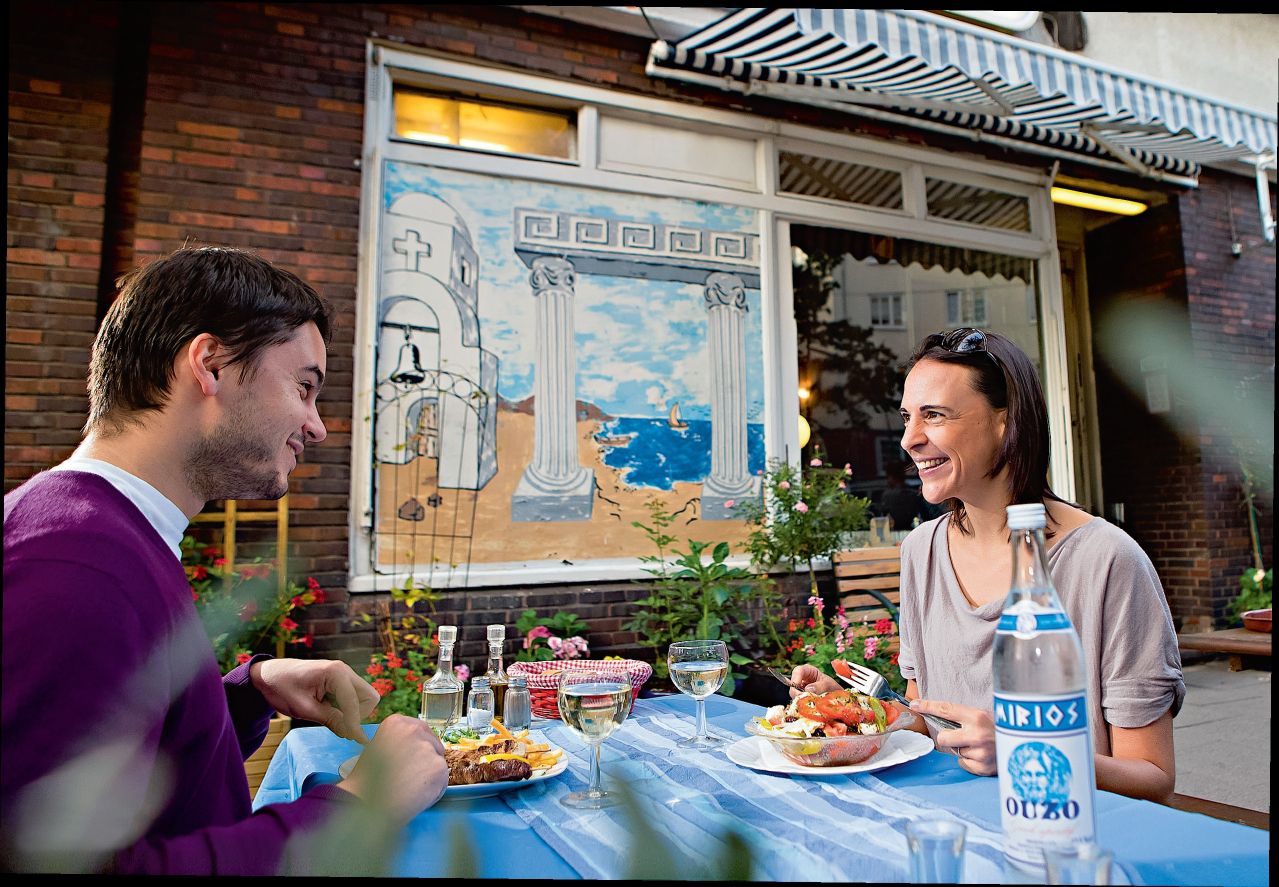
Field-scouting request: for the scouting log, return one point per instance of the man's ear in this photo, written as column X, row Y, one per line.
column 206, row 358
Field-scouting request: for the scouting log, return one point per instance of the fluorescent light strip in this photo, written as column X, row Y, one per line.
column 1097, row 202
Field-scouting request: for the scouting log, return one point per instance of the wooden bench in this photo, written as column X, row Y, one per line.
column 1236, row 643
column 869, row 584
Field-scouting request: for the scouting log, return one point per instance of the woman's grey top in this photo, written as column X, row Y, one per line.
column 1111, row 593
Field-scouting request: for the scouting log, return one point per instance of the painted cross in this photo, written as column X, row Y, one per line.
column 413, row 249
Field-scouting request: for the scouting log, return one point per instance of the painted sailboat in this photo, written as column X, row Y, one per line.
column 675, row 421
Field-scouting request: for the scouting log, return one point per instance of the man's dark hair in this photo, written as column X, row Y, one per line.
column 1009, row 382
column 242, row 299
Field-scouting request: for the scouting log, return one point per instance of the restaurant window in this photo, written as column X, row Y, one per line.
column 975, row 205
column 862, row 303
column 484, row 125
column 806, row 175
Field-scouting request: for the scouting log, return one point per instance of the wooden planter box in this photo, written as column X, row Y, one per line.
column 255, row 766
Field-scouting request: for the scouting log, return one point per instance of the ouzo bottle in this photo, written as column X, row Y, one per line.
column 1042, row 740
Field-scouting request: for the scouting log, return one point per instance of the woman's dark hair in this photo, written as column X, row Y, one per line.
column 242, row 299
column 1005, row 377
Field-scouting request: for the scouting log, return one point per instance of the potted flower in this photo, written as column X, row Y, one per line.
column 558, row 637
column 819, row 641
column 408, row 648
column 804, row 517
column 244, row 609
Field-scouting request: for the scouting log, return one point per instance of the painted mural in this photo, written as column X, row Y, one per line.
column 549, row 359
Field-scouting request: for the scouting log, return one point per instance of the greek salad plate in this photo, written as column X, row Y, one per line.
column 756, row 753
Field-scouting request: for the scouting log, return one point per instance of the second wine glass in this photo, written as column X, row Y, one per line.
column 698, row 669
column 592, row 705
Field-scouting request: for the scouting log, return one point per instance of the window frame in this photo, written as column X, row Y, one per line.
column 388, row 63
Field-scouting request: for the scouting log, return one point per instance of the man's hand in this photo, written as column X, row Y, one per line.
column 812, row 680
column 973, row 743
column 325, row 691
column 402, row 771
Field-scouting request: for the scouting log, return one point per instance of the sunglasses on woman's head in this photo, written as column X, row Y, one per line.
column 965, row 340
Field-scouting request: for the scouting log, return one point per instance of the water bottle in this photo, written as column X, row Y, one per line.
column 1042, row 740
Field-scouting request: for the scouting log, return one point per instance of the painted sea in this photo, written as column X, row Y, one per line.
column 650, row 453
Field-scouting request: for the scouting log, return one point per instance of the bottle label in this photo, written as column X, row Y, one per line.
column 1046, row 783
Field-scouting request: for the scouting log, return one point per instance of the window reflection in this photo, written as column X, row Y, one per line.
column 484, row 126
column 862, row 303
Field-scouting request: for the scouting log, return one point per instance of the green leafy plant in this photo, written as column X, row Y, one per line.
column 804, row 516
column 243, row 609
column 562, row 636
column 695, row 595
column 1254, row 593
column 408, row 644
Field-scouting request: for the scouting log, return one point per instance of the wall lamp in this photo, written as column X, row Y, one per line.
column 1098, row 202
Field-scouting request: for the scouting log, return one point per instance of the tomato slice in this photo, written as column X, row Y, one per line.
column 807, row 707
column 840, row 705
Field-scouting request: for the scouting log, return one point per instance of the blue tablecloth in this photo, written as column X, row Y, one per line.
column 800, row 828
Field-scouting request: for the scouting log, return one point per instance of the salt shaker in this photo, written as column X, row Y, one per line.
column 518, row 706
column 479, row 705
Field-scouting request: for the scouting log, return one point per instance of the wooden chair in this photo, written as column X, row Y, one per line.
column 869, row 583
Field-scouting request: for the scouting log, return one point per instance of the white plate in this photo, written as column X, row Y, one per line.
column 757, row 753
column 486, row 789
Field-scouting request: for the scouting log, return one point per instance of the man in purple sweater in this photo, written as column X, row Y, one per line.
column 123, row 748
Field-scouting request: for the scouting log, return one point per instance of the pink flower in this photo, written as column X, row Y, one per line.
column 729, row 503
column 815, row 602
column 848, row 469
column 462, row 672
column 816, row 463
column 801, row 508
column 872, row 646
column 538, row 631
column 784, row 485
column 841, row 485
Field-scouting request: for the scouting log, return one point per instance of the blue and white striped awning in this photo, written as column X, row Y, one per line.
column 934, row 67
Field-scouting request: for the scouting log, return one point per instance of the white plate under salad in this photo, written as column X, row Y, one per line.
column 488, row 789
column 757, row 753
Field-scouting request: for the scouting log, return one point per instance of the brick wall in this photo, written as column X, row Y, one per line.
column 1231, row 313
column 1176, row 473
column 61, row 73
column 249, row 126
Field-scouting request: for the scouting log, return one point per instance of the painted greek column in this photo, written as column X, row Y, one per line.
column 555, row 486
column 730, row 479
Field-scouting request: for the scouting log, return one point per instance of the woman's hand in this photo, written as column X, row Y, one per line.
column 973, row 743
column 812, row 680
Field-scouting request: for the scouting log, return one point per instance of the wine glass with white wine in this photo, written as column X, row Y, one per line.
column 698, row 669
column 593, row 706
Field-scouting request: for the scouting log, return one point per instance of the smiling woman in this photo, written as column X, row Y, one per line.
column 976, row 428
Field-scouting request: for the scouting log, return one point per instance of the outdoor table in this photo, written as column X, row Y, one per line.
column 800, row 828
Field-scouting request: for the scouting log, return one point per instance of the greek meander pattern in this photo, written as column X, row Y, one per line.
column 568, row 234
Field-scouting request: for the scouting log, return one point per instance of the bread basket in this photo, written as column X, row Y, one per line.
column 544, row 678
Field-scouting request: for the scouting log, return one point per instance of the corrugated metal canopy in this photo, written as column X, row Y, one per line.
column 933, row 67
